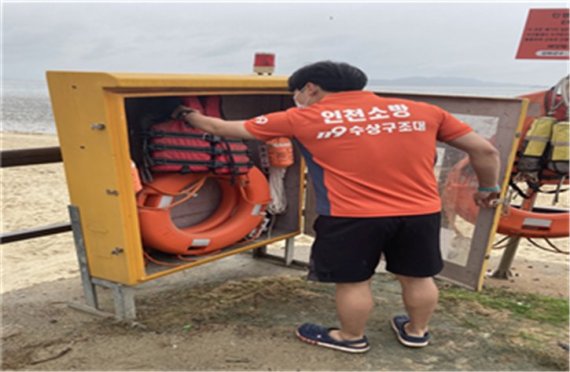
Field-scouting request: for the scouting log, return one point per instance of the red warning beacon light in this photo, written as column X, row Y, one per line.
column 264, row 63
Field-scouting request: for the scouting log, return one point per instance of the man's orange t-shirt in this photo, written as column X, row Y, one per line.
column 368, row 156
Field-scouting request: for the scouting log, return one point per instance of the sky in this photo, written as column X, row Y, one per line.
column 476, row 40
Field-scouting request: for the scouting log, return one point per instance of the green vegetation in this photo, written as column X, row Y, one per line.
column 530, row 306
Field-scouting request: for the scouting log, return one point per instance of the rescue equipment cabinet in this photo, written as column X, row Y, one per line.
column 101, row 119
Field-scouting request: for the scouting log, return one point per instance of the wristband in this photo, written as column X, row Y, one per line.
column 490, row 189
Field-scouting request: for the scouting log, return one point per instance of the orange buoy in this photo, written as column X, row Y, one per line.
column 241, row 209
column 157, row 195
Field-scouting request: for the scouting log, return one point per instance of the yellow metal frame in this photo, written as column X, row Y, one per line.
column 504, row 188
column 89, row 110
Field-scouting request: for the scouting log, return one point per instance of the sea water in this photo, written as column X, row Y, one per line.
column 26, row 107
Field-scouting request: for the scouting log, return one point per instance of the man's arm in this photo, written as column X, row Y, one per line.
column 484, row 159
column 215, row 126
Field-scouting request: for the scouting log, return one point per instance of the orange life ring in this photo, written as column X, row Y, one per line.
column 457, row 198
column 241, row 209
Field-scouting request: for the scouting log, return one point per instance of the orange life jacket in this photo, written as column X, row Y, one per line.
column 174, row 146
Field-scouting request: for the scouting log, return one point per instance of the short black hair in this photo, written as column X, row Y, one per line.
column 330, row 76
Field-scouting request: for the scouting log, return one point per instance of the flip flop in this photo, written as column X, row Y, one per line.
column 317, row 335
column 398, row 323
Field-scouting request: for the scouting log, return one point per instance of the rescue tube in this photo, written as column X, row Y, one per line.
column 241, row 210
column 457, row 198
column 537, row 223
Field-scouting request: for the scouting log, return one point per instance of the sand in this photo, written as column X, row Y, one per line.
column 34, row 196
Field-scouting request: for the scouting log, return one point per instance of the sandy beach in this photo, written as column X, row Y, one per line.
column 40, row 276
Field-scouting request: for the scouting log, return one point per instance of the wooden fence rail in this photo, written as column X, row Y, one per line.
column 17, row 158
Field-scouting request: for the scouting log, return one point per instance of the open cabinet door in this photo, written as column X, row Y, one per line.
column 465, row 242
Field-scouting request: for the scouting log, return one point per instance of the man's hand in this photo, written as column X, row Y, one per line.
column 486, row 199
column 213, row 125
column 181, row 111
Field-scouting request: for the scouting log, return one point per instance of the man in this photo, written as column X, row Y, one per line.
column 371, row 161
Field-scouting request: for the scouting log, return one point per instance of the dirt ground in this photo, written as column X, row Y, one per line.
column 239, row 313
column 199, row 322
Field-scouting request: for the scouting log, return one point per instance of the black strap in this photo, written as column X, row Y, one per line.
column 232, row 164
column 161, row 134
column 518, row 189
column 214, row 146
column 210, row 163
column 206, row 149
column 533, row 186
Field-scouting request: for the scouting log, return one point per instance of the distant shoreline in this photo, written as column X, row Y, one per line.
column 11, row 132
column 29, row 110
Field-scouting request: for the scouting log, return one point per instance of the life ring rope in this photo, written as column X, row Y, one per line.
column 187, row 194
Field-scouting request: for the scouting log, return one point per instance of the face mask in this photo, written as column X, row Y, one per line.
column 299, row 104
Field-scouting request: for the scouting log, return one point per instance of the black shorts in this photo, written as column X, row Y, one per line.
column 348, row 250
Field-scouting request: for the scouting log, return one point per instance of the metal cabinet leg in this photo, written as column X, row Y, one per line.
column 286, row 260
column 289, row 251
column 260, row 252
column 124, row 302
column 123, row 296
column 504, row 269
column 88, row 287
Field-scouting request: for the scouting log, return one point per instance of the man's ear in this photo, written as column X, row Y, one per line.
column 312, row 89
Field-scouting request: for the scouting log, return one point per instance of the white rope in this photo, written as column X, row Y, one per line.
column 278, row 202
column 560, row 88
column 565, row 89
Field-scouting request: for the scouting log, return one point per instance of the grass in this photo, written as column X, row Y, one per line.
column 530, row 306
